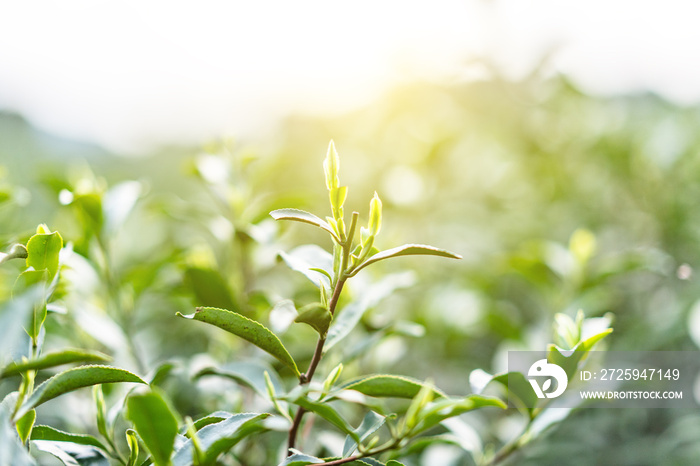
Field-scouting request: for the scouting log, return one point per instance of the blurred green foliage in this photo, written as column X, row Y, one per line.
column 558, row 201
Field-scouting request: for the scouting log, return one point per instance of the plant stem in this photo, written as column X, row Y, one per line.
column 318, row 352
column 510, row 448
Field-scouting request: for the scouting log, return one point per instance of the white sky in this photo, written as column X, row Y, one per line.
column 133, row 74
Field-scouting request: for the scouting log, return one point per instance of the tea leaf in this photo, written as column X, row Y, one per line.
column 407, row 250
column 74, row 379
column 393, row 386
column 297, row 215
column 53, row 359
column 248, row 329
column 155, row 423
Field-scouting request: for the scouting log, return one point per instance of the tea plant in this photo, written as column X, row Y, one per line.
column 382, row 418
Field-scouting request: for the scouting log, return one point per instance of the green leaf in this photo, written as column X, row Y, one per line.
column 329, row 414
column 306, row 259
column 297, row 215
column 332, row 378
column 375, row 215
column 74, row 379
column 250, row 373
column 53, row 359
column 49, row 433
column 209, row 287
column 72, row 454
column 218, row 438
column 317, row 316
column 133, row 443
column 407, row 250
column 438, row 411
column 248, row 329
column 155, row 423
column 24, row 425
column 571, row 361
column 519, row 390
column 388, row 386
column 300, row 459
column 338, row 196
column 14, row 316
column 348, row 317
column 371, row 423
column 393, row 463
column 12, row 452
column 18, row 251
column 212, row 418
column 331, row 167
column 42, row 252
column 101, row 411
column 34, row 279
column 272, row 394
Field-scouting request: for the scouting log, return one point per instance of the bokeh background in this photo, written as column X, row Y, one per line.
column 553, row 144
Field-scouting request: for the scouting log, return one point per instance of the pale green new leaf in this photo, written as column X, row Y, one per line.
column 297, row 215
column 42, row 252
column 248, row 329
column 407, row 250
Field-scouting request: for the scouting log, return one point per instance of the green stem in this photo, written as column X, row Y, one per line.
column 340, row 280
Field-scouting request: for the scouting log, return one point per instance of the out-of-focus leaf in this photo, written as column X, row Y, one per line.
column 348, row 317
column 304, row 217
column 218, row 438
column 248, row 329
column 209, row 287
column 161, row 373
column 155, row 423
column 133, row 442
column 72, row 454
column 118, row 202
column 317, row 316
column 569, row 360
column 250, row 373
column 53, row 359
column 519, row 390
column 328, row 413
column 18, row 251
column 300, row 459
column 391, row 386
column 438, row 411
column 49, row 433
column 213, row 418
column 73, row 379
column 407, row 250
column 12, row 453
column 371, row 423
column 42, row 252
column 14, row 316
column 305, row 259
column 34, row 279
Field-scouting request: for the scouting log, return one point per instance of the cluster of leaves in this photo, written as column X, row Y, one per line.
column 394, row 413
